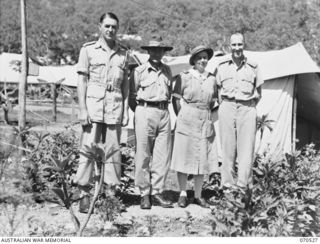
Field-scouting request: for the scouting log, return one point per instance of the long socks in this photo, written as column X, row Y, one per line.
column 198, row 182
column 182, row 180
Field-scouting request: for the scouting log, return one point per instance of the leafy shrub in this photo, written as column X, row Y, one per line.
column 284, row 200
column 46, row 149
column 65, row 144
column 14, row 196
column 49, row 166
column 108, row 207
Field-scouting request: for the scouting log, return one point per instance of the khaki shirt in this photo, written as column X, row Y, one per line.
column 151, row 85
column 196, row 88
column 238, row 82
column 104, row 68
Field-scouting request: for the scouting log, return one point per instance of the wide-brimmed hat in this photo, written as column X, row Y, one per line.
column 157, row 42
column 199, row 49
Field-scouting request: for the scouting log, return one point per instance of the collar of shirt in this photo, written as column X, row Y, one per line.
column 150, row 67
column 102, row 44
column 242, row 63
column 197, row 74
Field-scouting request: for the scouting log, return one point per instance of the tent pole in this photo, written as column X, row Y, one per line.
column 294, row 114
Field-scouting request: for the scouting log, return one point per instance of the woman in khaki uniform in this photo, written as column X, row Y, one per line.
column 194, row 135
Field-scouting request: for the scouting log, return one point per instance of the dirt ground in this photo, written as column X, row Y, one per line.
column 52, row 220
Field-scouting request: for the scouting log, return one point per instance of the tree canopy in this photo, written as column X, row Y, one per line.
column 58, row 28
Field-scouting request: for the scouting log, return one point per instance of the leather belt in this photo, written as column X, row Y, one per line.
column 203, row 106
column 228, row 99
column 159, row 105
column 245, row 102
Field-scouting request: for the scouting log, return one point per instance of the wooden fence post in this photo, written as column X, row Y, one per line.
column 24, row 69
column 54, row 102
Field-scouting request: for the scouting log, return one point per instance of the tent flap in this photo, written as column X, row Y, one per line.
column 276, row 103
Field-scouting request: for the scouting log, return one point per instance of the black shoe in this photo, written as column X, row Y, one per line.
column 157, row 200
column 183, row 202
column 123, row 208
column 84, row 204
column 145, row 202
column 201, row 202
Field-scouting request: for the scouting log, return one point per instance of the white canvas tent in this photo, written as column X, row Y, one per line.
column 9, row 68
column 37, row 74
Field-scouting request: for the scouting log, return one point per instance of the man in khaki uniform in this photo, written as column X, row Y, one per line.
column 150, row 91
column 239, row 88
column 103, row 90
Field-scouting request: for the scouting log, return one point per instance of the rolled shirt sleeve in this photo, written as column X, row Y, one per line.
column 178, row 86
column 125, row 81
column 83, row 62
column 133, row 86
column 259, row 80
column 216, row 74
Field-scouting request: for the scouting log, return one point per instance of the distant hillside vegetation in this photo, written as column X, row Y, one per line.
column 58, row 28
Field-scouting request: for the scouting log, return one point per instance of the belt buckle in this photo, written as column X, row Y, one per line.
column 161, row 105
column 229, row 99
column 142, row 103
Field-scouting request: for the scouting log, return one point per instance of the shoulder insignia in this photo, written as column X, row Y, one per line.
column 123, row 49
column 252, row 63
column 224, row 59
column 89, row 43
column 141, row 68
column 186, row 71
column 122, row 46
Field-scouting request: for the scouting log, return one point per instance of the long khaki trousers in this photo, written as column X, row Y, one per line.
column 99, row 132
column 153, row 149
column 237, row 122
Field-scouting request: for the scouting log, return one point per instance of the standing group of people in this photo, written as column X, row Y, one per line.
column 105, row 93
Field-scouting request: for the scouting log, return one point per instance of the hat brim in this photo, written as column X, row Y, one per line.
column 166, row 48
column 208, row 50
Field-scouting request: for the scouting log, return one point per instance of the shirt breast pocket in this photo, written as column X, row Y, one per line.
column 97, row 71
column 227, row 84
column 147, row 82
column 116, row 76
column 247, row 83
